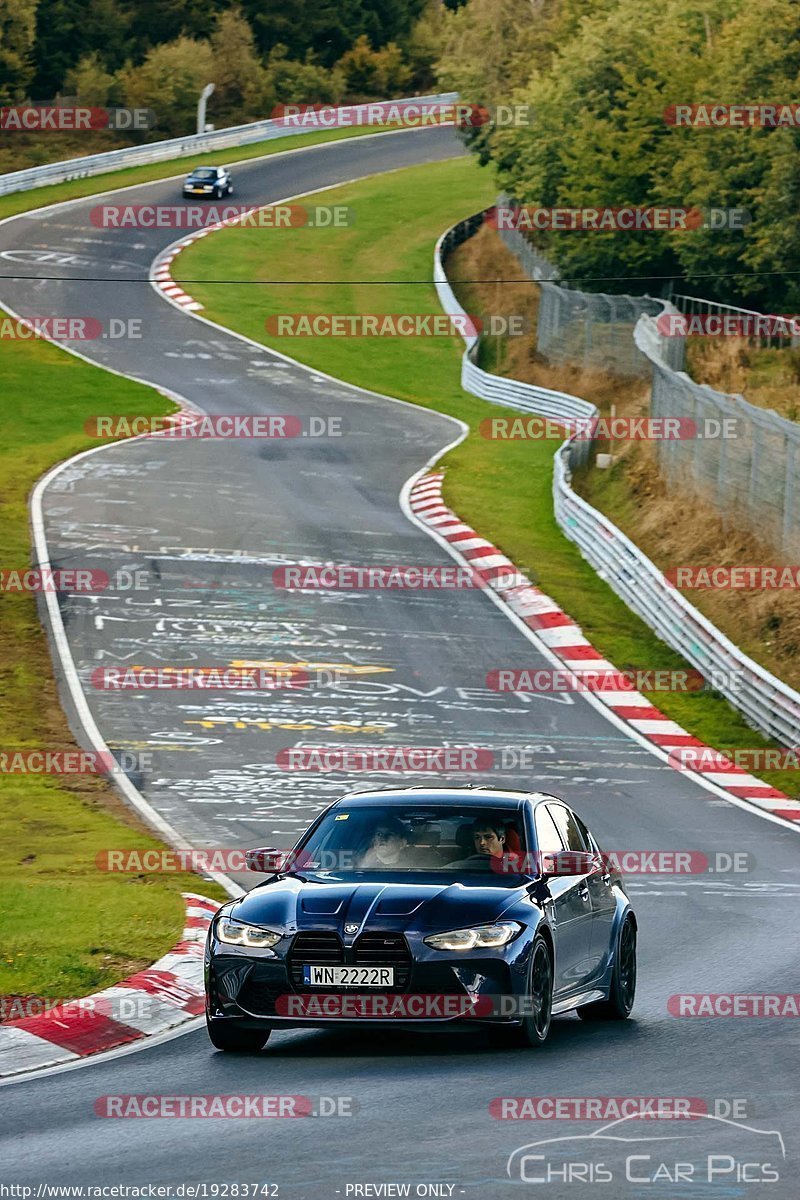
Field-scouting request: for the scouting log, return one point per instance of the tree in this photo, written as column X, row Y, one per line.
column 328, row 28
column 599, row 137
column 306, row 82
column 423, row 45
column 325, row 28
column 240, row 78
column 371, row 73
column 491, row 47
column 17, row 29
column 68, row 30
column 169, row 81
column 90, row 81
column 154, row 22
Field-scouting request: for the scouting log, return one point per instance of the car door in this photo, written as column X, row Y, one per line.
column 604, row 902
column 571, row 909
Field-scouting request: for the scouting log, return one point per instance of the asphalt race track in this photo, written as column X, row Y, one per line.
column 206, row 523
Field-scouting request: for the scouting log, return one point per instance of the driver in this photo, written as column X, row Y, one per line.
column 389, row 846
column 489, row 839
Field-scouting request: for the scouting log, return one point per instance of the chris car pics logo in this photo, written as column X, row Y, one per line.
column 713, row 1150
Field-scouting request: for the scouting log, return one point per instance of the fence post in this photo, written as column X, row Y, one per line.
column 788, row 540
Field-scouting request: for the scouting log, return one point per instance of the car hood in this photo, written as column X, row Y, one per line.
column 316, row 902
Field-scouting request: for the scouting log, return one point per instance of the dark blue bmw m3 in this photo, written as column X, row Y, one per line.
column 426, row 908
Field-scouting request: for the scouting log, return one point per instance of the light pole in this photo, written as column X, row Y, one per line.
column 201, row 107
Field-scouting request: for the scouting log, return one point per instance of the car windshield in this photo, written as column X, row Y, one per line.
column 414, row 838
column 204, row 173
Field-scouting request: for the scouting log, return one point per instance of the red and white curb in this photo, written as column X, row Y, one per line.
column 565, row 640
column 161, row 268
column 166, row 995
column 161, row 275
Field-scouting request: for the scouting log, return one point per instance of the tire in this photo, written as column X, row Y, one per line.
column 226, row 1035
column 217, row 193
column 533, row 1030
column 230, row 189
column 622, row 992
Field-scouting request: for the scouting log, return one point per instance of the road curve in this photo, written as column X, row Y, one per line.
column 208, row 522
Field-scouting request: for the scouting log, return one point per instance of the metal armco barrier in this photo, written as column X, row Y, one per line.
column 197, row 143
column 510, row 393
column 765, row 701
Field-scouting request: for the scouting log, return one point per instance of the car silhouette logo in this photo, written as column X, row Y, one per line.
column 351, row 929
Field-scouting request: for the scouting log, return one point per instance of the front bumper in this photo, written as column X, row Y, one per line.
column 259, row 989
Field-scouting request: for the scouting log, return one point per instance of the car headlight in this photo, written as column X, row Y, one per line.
column 481, row 937
column 237, row 933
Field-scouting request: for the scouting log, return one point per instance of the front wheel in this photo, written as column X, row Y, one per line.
column 622, row 992
column 227, row 1035
column 535, row 1024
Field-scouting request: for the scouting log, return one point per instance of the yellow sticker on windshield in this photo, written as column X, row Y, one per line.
column 342, row 817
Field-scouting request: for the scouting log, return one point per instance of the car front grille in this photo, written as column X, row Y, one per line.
column 385, row 950
column 376, row 949
column 321, row 948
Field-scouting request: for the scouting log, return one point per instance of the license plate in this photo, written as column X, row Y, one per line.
column 199, row 191
column 348, row 976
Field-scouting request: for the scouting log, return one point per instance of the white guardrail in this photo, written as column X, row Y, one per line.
column 201, row 143
column 765, row 701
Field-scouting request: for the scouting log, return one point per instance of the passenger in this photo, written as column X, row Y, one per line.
column 389, row 846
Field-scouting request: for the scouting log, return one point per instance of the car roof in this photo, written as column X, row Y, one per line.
column 472, row 796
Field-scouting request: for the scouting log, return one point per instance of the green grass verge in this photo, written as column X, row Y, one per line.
column 502, row 488
column 73, row 189
column 66, row 928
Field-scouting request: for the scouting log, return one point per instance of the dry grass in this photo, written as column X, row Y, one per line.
column 768, row 378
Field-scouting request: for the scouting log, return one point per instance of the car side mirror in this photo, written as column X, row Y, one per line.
column 267, row 860
column 569, row 862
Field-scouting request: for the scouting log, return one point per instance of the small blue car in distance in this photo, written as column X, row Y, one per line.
column 425, row 908
column 213, row 182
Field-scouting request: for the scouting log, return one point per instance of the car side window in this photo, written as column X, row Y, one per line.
column 568, row 828
column 548, row 839
column 589, row 838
